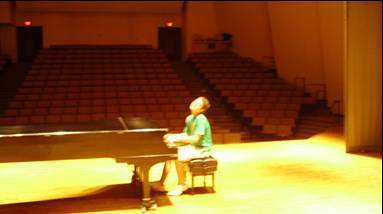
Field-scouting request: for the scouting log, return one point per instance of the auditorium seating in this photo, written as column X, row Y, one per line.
column 270, row 102
column 75, row 83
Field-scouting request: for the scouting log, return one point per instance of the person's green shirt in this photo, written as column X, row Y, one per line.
column 199, row 125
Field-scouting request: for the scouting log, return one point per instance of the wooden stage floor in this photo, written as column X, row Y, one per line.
column 302, row 176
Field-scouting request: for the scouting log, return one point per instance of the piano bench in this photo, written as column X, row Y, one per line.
column 202, row 167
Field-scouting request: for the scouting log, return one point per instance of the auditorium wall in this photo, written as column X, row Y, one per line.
column 7, row 31
column 200, row 22
column 5, row 12
column 308, row 42
column 332, row 27
column 8, row 42
column 248, row 22
column 297, row 42
column 98, row 27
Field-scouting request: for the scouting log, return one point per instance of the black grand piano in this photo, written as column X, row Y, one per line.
column 135, row 141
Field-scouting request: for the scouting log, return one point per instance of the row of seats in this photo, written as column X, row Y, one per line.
column 98, row 49
column 99, row 70
column 93, row 52
column 78, row 84
column 166, row 113
column 125, row 60
column 100, row 82
column 251, row 107
column 40, row 115
column 225, row 65
column 99, row 55
column 102, row 71
column 232, row 70
column 69, row 107
column 271, row 113
column 268, row 101
column 279, row 126
column 171, row 124
column 64, row 54
column 106, row 64
column 212, row 55
column 226, row 75
column 220, row 60
column 249, row 81
column 102, row 88
column 249, row 87
column 94, row 102
column 135, row 95
column 124, row 109
column 280, row 92
column 102, row 54
column 101, row 47
column 42, row 76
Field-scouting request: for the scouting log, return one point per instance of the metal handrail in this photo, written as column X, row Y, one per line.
column 271, row 59
column 303, row 80
column 336, row 103
column 319, row 91
column 305, row 86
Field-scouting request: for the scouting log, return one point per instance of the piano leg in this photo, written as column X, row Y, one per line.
column 142, row 167
column 136, row 182
column 147, row 202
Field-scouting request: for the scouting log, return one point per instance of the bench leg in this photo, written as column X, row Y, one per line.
column 192, row 189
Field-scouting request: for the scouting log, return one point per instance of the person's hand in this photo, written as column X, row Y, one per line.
column 170, row 140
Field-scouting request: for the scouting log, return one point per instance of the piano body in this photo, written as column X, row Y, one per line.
column 132, row 140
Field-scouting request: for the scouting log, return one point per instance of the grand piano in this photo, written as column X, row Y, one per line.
column 135, row 141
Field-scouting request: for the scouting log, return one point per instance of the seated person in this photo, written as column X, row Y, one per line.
column 195, row 141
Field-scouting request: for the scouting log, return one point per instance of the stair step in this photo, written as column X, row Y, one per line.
column 303, row 136
column 225, row 127
column 314, row 119
column 314, row 124
column 309, row 130
column 223, row 138
column 319, row 118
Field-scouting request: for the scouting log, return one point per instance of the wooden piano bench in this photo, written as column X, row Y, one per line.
column 202, row 167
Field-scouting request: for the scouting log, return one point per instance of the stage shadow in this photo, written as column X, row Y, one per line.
column 113, row 197
column 199, row 191
column 377, row 155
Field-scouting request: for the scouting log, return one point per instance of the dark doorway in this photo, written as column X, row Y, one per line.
column 29, row 42
column 169, row 40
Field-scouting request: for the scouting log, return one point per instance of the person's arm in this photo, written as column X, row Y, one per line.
column 181, row 139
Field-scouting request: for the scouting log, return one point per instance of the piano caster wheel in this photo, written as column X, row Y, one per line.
column 148, row 204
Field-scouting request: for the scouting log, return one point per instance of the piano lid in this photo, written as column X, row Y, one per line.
column 97, row 139
column 119, row 124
